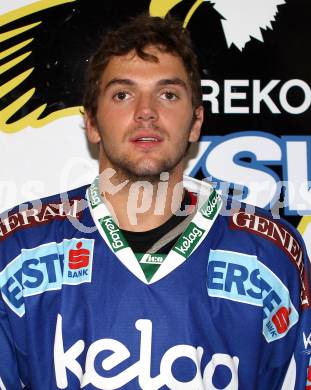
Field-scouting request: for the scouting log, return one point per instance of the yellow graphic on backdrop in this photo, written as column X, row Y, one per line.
column 162, row 7
column 23, row 51
column 304, row 228
column 304, row 224
column 30, row 119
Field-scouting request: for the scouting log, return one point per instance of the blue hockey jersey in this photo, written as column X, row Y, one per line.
column 227, row 308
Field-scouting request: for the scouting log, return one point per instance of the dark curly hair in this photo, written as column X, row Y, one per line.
column 168, row 35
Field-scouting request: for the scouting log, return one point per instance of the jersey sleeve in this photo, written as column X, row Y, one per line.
column 13, row 354
column 284, row 282
column 296, row 344
column 9, row 372
column 302, row 351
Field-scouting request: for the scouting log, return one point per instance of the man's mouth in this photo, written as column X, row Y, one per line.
column 147, row 139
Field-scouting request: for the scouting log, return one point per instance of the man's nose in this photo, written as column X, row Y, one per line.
column 146, row 109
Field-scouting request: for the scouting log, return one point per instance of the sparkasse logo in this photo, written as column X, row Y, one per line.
column 79, row 257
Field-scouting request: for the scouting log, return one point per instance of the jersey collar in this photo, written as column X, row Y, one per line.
column 209, row 205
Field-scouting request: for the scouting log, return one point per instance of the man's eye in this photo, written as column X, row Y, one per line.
column 168, row 95
column 121, row 95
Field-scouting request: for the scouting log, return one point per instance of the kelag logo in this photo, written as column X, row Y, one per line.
column 210, row 207
column 188, row 241
column 46, row 268
column 243, row 278
column 94, row 195
column 89, row 360
column 113, row 233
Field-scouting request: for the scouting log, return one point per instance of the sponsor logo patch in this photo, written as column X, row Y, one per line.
column 210, row 207
column 189, row 240
column 243, row 278
column 79, row 257
column 308, row 384
column 113, row 233
column 45, row 268
column 94, row 195
column 307, row 341
column 281, row 237
column 40, row 215
column 152, row 258
column 89, row 359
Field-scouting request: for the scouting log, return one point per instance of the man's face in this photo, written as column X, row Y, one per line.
column 145, row 117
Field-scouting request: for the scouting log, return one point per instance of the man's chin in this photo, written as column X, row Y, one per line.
column 150, row 172
column 151, row 176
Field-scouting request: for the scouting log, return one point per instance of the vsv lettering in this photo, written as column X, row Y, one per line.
column 68, row 360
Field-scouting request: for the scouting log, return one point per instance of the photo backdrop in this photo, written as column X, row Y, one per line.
column 254, row 60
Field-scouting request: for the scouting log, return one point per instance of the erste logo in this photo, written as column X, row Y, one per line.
column 243, row 278
column 46, row 268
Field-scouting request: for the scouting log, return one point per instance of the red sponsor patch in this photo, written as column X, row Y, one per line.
column 79, row 258
column 280, row 236
column 42, row 214
column 281, row 319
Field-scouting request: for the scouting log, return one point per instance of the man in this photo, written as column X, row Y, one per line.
column 151, row 285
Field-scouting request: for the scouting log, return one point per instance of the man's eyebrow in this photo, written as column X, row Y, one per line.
column 163, row 82
column 173, row 81
column 117, row 81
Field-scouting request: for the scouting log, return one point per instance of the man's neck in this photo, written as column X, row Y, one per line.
column 142, row 205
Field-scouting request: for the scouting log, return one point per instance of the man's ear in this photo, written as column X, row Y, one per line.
column 91, row 128
column 198, row 116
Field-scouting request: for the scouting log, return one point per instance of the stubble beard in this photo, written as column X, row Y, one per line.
column 145, row 170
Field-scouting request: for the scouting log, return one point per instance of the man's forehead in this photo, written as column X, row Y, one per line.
column 166, row 65
column 154, row 50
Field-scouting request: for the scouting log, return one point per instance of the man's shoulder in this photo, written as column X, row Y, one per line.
column 259, row 222
column 41, row 213
column 277, row 245
column 247, row 221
